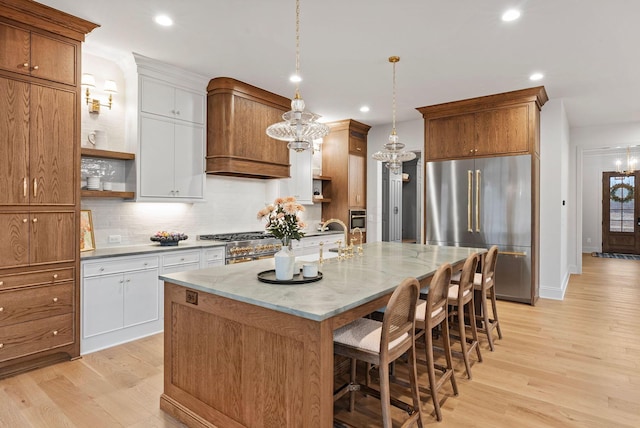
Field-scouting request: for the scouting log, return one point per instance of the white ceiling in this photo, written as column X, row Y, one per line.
column 449, row 50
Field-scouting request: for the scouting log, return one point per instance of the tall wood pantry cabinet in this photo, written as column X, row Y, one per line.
column 344, row 159
column 39, row 184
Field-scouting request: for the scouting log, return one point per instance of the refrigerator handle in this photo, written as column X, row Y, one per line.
column 469, row 184
column 478, row 178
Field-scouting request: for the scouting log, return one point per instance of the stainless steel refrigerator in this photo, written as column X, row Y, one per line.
column 484, row 202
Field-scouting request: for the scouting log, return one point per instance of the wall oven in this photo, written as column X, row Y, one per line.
column 357, row 218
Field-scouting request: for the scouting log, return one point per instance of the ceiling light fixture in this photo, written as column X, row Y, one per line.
column 536, row 76
column 631, row 164
column 393, row 154
column 364, row 109
column 163, row 20
column 298, row 127
column 510, row 15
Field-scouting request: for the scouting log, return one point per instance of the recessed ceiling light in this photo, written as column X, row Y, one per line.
column 364, row 109
column 536, row 76
column 511, row 15
column 295, row 78
column 163, row 20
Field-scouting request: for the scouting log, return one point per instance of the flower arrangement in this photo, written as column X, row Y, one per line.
column 168, row 237
column 282, row 219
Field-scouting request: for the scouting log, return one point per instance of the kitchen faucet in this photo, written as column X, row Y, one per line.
column 340, row 222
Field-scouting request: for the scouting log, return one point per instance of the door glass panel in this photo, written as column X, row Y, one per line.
column 621, row 204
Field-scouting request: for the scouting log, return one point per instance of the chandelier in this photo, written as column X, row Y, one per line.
column 298, row 127
column 393, row 153
column 631, row 164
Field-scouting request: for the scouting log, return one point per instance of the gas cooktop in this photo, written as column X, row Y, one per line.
column 238, row 236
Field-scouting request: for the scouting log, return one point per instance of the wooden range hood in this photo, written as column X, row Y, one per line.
column 238, row 115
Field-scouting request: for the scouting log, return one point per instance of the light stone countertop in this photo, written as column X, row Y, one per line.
column 137, row 250
column 345, row 284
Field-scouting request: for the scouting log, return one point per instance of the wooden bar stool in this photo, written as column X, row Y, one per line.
column 381, row 343
column 429, row 315
column 461, row 296
column 484, row 283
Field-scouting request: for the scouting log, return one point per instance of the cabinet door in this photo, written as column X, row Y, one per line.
column 14, row 45
column 157, row 97
column 14, row 247
column 301, row 181
column 189, row 106
column 503, row 131
column 357, row 177
column 53, row 238
column 52, row 141
column 14, row 141
column 53, row 59
column 156, row 158
column 451, row 137
column 140, row 297
column 189, row 161
column 102, row 304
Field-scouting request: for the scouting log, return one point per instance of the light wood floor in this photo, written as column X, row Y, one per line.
column 571, row 363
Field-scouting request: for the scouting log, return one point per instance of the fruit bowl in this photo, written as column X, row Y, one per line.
column 168, row 239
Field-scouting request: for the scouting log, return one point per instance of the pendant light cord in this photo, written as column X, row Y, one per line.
column 298, row 48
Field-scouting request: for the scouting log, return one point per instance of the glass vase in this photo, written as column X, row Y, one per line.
column 285, row 261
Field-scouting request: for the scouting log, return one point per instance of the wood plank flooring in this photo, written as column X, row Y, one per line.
column 571, row 363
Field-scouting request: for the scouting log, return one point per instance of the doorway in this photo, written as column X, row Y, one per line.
column 402, row 207
column 620, row 213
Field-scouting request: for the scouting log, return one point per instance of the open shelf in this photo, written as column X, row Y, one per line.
column 321, row 177
column 107, row 154
column 319, row 200
column 106, row 194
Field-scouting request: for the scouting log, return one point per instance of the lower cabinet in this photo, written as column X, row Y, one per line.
column 311, row 244
column 213, row 257
column 120, row 301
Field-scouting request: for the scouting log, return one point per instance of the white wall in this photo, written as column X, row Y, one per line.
column 230, row 205
column 554, row 200
column 411, row 133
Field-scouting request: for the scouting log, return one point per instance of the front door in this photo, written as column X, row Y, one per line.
column 620, row 213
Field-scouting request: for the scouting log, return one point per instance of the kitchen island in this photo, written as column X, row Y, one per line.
column 242, row 353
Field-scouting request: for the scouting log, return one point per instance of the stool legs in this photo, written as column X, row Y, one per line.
column 494, row 307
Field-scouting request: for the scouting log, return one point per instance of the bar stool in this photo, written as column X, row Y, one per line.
column 461, row 296
column 381, row 343
column 484, row 283
column 429, row 315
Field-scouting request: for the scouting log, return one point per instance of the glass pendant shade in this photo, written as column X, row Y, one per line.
column 298, row 127
column 393, row 154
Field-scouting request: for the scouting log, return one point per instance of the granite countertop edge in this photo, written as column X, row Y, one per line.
column 146, row 249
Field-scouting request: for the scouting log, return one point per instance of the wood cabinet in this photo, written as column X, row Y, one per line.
column 171, row 125
column 238, row 115
column 344, row 159
column 495, row 125
column 37, row 55
column 39, row 184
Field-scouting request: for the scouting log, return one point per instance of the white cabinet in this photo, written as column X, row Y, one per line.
column 171, row 159
column 171, row 133
column 165, row 99
column 120, row 301
column 213, row 257
column 311, row 244
column 300, row 184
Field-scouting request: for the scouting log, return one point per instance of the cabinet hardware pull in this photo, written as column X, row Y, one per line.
column 469, row 181
column 55, row 276
column 513, row 253
column 128, row 280
column 24, row 220
column 25, row 65
column 25, row 186
column 359, row 149
column 1, row 282
column 35, row 67
column 178, row 112
column 478, row 177
column 35, row 220
column 55, row 332
column 1, row 309
column 121, row 281
column 1, row 345
column 101, row 269
column 35, row 187
column 55, row 299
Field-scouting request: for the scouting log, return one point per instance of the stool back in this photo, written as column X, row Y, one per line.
column 399, row 318
column 437, row 297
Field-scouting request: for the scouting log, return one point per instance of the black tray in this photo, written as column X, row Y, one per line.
column 269, row 276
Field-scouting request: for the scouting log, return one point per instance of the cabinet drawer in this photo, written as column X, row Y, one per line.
column 184, row 257
column 35, row 336
column 35, row 303
column 41, row 277
column 214, row 254
column 109, row 266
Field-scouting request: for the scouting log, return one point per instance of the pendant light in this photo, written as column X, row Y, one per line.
column 298, row 127
column 393, row 153
column 631, row 164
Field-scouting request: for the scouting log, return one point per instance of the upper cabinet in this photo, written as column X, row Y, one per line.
column 495, row 125
column 37, row 55
column 238, row 115
column 171, row 131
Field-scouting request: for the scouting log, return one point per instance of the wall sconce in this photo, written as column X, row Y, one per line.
column 317, row 145
column 94, row 104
